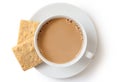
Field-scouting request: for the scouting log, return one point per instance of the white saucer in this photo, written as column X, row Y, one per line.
column 68, row 10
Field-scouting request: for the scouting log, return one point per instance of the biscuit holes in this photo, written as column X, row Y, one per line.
column 31, row 32
column 30, row 56
column 30, row 44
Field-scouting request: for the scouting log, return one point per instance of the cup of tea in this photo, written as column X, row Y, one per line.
column 61, row 41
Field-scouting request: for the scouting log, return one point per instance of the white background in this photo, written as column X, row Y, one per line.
column 106, row 16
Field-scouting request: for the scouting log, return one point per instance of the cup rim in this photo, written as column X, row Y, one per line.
column 80, row 53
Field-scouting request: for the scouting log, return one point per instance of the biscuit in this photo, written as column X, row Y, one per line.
column 26, row 54
column 26, row 30
column 24, row 50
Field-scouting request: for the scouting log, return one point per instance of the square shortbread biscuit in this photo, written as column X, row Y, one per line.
column 27, row 30
column 24, row 51
column 26, row 54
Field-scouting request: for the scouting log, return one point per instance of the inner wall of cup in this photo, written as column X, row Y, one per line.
column 79, row 55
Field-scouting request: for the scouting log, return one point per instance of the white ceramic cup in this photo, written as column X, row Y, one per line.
column 80, row 54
